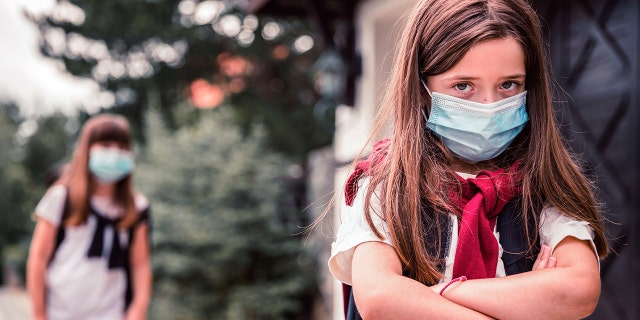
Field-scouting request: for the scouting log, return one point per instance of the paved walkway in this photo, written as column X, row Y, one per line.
column 14, row 304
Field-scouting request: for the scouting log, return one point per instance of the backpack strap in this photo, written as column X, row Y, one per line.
column 350, row 309
column 517, row 257
column 60, row 232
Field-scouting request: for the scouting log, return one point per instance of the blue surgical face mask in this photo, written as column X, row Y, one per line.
column 110, row 165
column 475, row 131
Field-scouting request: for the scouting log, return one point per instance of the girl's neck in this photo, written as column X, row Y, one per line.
column 459, row 165
column 103, row 189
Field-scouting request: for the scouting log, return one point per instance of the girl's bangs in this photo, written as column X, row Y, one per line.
column 110, row 131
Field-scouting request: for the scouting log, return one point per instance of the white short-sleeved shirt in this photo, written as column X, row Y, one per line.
column 79, row 287
column 354, row 230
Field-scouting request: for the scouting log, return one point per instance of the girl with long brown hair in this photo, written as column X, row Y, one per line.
column 89, row 255
column 473, row 207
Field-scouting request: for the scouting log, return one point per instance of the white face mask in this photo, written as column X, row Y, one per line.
column 475, row 131
column 110, row 165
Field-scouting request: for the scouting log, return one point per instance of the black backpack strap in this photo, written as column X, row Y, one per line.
column 60, row 231
column 516, row 256
column 351, row 311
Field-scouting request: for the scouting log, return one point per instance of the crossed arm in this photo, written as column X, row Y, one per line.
column 564, row 285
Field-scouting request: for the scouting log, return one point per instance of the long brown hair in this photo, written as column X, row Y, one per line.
column 436, row 37
column 79, row 181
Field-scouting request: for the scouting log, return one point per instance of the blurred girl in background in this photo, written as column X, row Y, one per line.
column 89, row 255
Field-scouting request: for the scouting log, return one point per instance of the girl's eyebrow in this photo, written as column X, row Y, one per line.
column 459, row 77
column 516, row 76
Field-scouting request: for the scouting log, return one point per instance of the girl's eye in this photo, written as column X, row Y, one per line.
column 463, row 87
column 509, row 85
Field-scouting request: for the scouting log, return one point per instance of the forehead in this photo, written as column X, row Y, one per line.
column 492, row 58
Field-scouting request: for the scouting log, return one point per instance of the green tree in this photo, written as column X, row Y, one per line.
column 20, row 187
column 149, row 53
column 224, row 228
column 46, row 150
column 15, row 198
column 31, row 151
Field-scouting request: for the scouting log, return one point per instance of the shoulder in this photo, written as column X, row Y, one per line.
column 552, row 217
column 56, row 191
column 355, row 230
column 51, row 206
column 555, row 226
column 141, row 202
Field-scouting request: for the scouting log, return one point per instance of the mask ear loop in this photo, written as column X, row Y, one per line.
column 425, row 86
column 424, row 114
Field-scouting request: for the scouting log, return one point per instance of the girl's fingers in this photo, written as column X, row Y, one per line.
column 544, row 259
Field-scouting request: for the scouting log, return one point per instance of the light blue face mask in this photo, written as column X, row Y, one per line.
column 110, row 165
column 475, row 131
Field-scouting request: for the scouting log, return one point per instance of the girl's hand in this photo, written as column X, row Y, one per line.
column 134, row 313
column 545, row 259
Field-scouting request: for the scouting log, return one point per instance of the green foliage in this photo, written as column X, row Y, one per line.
column 17, row 191
column 21, row 169
column 46, row 148
column 277, row 90
column 224, row 243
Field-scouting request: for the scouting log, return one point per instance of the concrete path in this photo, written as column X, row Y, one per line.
column 14, row 304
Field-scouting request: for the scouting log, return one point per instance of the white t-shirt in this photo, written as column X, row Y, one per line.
column 354, row 230
column 77, row 286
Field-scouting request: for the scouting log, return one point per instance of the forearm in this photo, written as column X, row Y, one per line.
column 398, row 297
column 140, row 274
column 141, row 278
column 381, row 292
column 568, row 290
column 36, row 275
column 40, row 252
column 557, row 293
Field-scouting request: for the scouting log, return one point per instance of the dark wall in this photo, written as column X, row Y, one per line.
column 594, row 47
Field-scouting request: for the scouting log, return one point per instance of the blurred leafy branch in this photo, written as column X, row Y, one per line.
column 149, row 54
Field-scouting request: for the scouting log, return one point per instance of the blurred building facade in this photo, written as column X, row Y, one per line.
column 594, row 47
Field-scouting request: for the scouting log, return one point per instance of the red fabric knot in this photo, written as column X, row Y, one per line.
column 481, row 199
